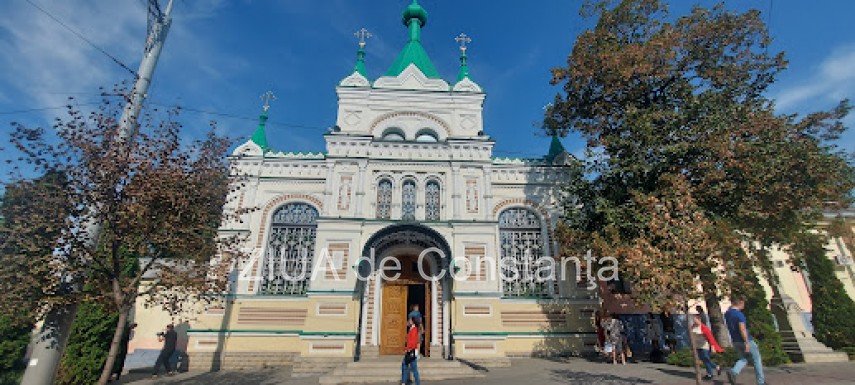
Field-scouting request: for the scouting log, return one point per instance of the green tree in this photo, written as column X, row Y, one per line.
column 833, row 309
column 14, row 337
column 88, row 345
column 148, row 199
column 655, row 95
column 665, row 261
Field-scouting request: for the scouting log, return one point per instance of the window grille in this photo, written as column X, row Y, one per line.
column 384, row 199
column 521, row 238
column 290, row 250
column 432, row 201
column 408, row 201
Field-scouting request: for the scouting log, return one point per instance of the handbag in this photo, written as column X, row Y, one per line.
column 409, row 356
column 609, row 347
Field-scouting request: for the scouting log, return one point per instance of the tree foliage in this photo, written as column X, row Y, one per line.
column 88, row 345
column 661, row 99
column 833, row 309
column 145, row 199
column 14, row 337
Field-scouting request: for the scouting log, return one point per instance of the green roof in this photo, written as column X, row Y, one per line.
column 464, row 69
column 259, row 137
column 360, row 62
column 414, row 17
column 555, row 148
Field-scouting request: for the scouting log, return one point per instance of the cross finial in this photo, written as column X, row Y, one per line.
column 267, row 97
column 362, row 34
column 463, row 40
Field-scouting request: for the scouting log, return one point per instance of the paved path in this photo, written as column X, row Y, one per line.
column 542, row 371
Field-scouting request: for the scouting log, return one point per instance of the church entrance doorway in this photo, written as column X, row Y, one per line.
column 394, row 284
column 400, row 296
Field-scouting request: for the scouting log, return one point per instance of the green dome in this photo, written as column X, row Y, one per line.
column 414, row 11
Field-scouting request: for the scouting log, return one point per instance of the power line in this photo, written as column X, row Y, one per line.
column 226, row 115
column 83, row 38
column 44, row 108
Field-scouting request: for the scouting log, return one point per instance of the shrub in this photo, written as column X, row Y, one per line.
column 14, row 338
column 850, row 350
column 833, row 309
column 88, row 344
column 683, row 357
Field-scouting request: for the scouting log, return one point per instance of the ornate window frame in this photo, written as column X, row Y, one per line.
column 290, row 249
column 433, row 200
column 409, row 199
column 510, row 236
column 383, row 205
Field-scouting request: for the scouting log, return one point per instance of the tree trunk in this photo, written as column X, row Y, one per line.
column 719, row 328
column 692, row 346
column 114, row 346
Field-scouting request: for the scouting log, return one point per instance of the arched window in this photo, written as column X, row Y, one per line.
column 408, row 200
column 521, row 238
column 393, row 134
column 290, row 249
column 432, row 201
column 384, row 199
column 426, row 136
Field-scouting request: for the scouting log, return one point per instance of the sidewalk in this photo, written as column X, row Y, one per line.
column 543, row 371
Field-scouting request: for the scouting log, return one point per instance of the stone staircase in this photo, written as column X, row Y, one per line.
column 313, row 366
column 796, row 340
column 387, row 369
column 806, row 349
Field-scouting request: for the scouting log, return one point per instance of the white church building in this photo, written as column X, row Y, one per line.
column 408, row 170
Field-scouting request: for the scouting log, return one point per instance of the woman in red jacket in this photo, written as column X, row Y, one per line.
column 704, row 343
column 411, row 353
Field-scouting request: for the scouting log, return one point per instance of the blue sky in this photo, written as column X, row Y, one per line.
column 221, row 55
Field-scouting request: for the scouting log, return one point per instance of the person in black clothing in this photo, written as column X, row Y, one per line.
column 169, row 339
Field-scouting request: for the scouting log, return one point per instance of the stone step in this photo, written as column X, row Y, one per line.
column 388, row 370
column 389, row 378
column 393, row 363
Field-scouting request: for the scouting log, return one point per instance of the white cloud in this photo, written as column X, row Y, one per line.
column 50, row 63
column 833, row 80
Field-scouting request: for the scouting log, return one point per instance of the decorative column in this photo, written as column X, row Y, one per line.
column 360, row 189
column 329, row 187
column 434, row 314
column 420, row 198
column 456, row 182
column 488, row 193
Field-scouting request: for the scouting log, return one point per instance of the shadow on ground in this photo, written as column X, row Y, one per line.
column 575, row 377
column 254, row 377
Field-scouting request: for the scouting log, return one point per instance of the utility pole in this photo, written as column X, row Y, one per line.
column 48, row 344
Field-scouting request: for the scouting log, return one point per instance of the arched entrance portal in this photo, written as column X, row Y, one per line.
column 395, row 283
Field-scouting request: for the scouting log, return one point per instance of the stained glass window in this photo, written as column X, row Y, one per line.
column 290, row 249
column 432, row 201
column 384, row 199
column 521, row 238
column 408, row 201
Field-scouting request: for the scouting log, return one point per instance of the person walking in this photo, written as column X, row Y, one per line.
column 170, row 340
column 705, row 345
column 614, row 330
column 410, row 362
column 742, row 342
column 419, row 321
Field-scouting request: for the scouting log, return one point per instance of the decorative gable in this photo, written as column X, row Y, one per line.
column 467, row 85
column 355, row 80
column 249, row 148
column 412, row 78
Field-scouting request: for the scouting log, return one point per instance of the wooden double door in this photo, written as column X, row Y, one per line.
column 398, row 298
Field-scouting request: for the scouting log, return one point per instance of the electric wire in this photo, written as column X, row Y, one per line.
column 83, row 38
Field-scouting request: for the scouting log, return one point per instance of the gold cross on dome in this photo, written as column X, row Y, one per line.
column 463, row 39
column 362, row 34
column 267, row 97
